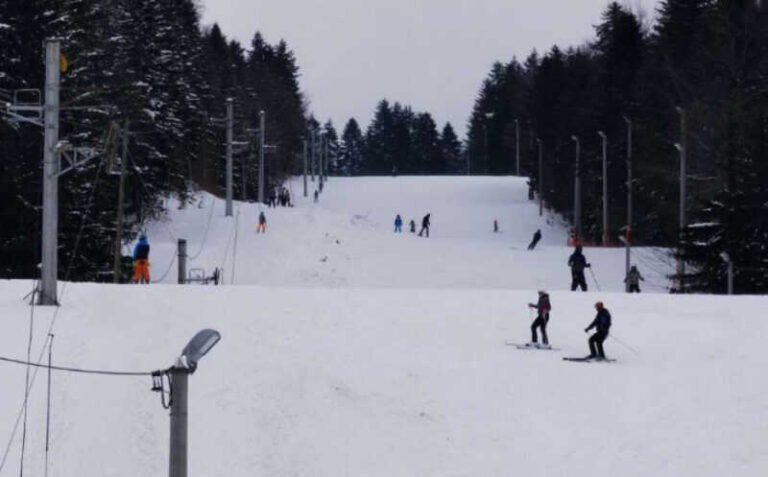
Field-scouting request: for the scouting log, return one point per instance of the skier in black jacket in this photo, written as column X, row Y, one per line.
column 602, row 324
column 425, row 226
column 578, row 263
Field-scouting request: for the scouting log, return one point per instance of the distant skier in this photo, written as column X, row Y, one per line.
column 633, row 279
column 535, row 240
column 398, row 223
column 262, row 227
column 141, row 261
column 425, row 226
column 412, row 225
column 578, row 263
column 543, row 306
column 315, row 195
column 602, row 324
column 495, row 226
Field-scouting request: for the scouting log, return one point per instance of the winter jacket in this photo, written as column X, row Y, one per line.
column 577, row 262
column 634, row 277
column 543, row 305
column 141, row 250
column 398, row 221
column 425, row 221
column 602, row 321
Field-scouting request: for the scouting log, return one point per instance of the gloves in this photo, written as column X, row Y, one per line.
column 589, row 265
column 586, row 330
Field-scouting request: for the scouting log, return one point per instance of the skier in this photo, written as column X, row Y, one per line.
column 425, row 225
column 141, row 261
column 535, row 240
column 398, row 223
column 601, row 323
column 578, row 262
column 262, row 227
column 495, row 226
column 633, row 279
column 315, row 195
column 543, row 306
column 412, row 225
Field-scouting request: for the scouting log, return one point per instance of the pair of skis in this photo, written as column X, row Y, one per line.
column 537, row 346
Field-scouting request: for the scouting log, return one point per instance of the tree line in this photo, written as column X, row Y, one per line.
column 702, row 67
column 147, row 65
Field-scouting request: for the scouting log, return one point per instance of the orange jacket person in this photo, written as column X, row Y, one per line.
column 141, row 261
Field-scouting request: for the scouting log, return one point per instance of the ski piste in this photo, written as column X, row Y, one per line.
column 532, row 346
column 588, row 359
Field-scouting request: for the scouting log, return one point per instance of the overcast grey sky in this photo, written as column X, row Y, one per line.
column 431, row 54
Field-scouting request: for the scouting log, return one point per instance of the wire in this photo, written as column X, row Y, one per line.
column 48, row 410
column 205, row 234
column 31, row 382
column 234, row 247
column 26, row 386
column 76, row 370
column 167, row 270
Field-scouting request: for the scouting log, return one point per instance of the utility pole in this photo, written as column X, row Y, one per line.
column 313, row 150
column 517, row 145
column 117, row 265
column 325, row 169
column 605, row 187
column 230, row 127
column 305, row 167
column 541, row 179
column 50, row 173
column 320, row 178
column 681, row 147
column 262, row 133
column 628, row 237
column 577, row 192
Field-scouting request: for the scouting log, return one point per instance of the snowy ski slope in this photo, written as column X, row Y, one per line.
column 385, row 355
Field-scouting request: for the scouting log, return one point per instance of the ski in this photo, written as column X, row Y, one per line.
column 532, row 346
column 588, row 359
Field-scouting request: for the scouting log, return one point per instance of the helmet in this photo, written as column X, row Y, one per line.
column 142, row 237
column 542, row 292
column 599, row 305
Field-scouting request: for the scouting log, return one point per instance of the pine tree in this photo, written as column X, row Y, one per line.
column 351, row 158
column 450, row 151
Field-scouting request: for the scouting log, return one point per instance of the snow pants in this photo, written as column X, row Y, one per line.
column 540, row 322
column 261, row 228
column 596, row 344
column 398, row 228
column 634, row 288
column 578, row 281
column 423, row 230
column 533, row 243
column 141, row 271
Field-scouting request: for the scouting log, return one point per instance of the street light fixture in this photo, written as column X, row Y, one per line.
column 178, row 375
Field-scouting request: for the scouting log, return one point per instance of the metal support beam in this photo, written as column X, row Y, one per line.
column 262, row 132
column 179, row 377
column 48, row 294
column 230, row 127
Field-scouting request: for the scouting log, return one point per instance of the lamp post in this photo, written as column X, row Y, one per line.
column 517, row 146
column 541, row 179
column 681, row 149
column 485, row 134
column 605, row 187
column 185, row 365
column 628, row 237
column 577, row 191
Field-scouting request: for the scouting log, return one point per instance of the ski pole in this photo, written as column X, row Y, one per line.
column 624, row 344
column 597, row 285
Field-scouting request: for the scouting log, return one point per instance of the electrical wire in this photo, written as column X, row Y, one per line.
column 205, row 234
column 26, row 385
column 55, row 315
column 48, row 407
column 76, row 370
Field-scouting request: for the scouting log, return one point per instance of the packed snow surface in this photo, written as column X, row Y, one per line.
column 349, row 350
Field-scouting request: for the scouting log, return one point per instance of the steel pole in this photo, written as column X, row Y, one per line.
column 49, row 253
column 628, row 237
column 262, row 133
column 605, row 187
column 682, row 149
column 517, row 145
column 541, row 179
column 577, row 191
column 182, row 258
column 117, row 264
column 230, row 127
column 305, row 167
column 179, row 391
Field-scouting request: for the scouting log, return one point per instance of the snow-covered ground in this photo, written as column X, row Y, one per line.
column 385, row 355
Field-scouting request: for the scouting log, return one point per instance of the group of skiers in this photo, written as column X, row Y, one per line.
column 601, row 324
column 279, row 197
column 425, row 224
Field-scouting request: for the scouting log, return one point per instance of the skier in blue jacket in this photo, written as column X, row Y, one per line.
column 141, row 261
column 602, row 324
